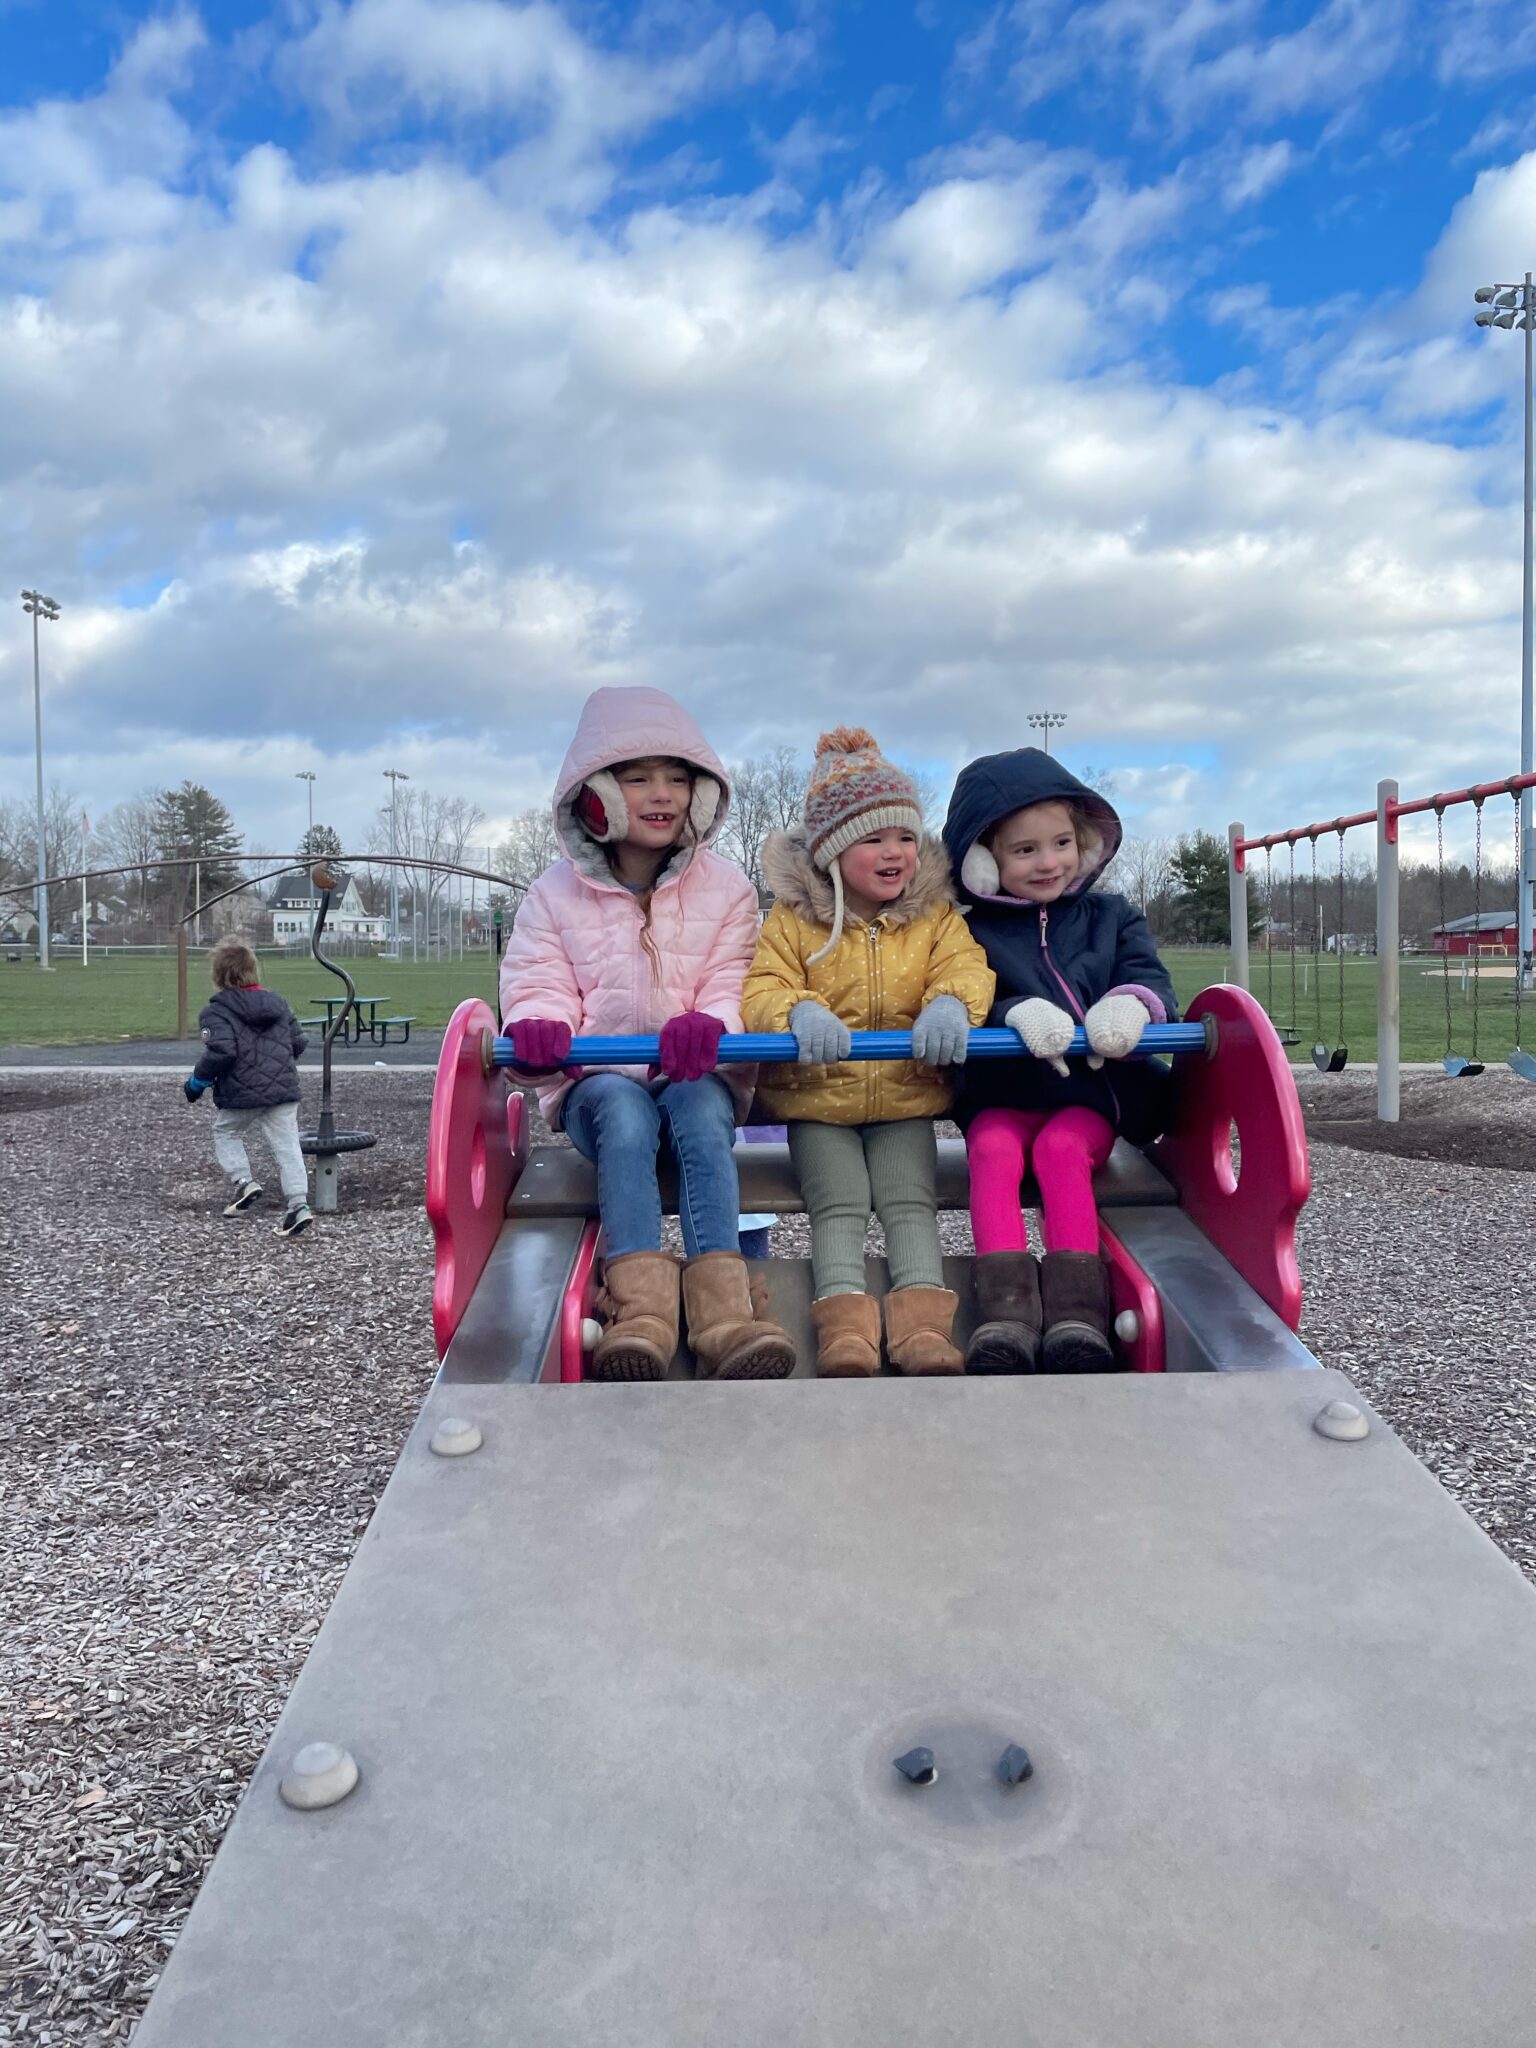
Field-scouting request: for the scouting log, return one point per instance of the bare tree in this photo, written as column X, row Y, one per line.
column 126, row 837
column 529, row 847
column 63, row 846
column 430, row 831
column 1141, row 871
column 18, row 840
column 767, row 795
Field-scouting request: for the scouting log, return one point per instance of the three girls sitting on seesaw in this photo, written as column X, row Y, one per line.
column 643, row 928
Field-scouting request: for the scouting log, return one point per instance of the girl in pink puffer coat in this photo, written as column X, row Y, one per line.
column 643, row 928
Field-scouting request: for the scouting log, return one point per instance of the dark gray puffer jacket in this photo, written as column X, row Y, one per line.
column 250, row 1042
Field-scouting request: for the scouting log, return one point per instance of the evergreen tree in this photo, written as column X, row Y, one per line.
column 321, row 842
column 1201, row 909
column 192, row 825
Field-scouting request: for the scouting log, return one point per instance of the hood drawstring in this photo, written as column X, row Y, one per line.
column 835, row 870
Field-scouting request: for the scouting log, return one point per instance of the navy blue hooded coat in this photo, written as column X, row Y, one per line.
column 1073, row 951
column 250, row 1042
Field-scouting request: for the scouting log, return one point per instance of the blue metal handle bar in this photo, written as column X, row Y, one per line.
column 771, row 1048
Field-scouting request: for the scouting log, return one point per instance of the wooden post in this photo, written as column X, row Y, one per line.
column 181, row 981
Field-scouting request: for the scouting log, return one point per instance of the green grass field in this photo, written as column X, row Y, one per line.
column 117, row 998
column 135, row 997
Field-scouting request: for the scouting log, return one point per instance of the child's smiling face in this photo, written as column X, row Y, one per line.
column 1036, row 852
column 656, row 795
column 877, row 868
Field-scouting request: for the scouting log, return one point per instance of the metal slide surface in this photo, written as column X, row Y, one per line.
column 626, row 1684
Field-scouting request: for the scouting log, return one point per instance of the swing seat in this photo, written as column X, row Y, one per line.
column 1524, row 1064
column 1330, row 1059
column 1459, row 1069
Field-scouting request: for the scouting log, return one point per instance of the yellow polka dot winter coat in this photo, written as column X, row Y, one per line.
column 877, row 978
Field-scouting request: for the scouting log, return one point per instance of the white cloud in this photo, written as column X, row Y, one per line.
column 424, row 461
column 1191, row 60
column 1259, row 171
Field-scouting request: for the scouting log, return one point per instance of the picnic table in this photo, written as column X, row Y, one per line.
column 353, row 1029
column 378, row 1028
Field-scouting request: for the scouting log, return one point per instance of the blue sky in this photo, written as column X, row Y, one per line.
column 379, row 375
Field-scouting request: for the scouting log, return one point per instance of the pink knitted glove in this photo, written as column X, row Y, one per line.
column 690, row 1045
column 540, row 1044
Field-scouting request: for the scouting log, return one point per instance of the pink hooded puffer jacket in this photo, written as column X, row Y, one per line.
column 575, row 952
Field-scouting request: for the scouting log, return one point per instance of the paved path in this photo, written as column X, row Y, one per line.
column 150, row 1055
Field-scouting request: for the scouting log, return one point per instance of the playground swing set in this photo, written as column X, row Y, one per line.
column 1333, row 1058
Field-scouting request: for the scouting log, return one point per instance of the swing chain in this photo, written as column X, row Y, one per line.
column 1519, row 957
column 1317, row 943
column 1269, row 931
column 1445, row 937
column 1338, row 936
column 1295, row 1012
column 1477, row 916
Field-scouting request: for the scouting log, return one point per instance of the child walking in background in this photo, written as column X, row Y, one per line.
column 864, row 936
column 1028, row 840
column 643, row 929
column 251, row 1041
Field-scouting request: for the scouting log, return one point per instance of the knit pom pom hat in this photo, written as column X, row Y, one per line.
column 853, row 791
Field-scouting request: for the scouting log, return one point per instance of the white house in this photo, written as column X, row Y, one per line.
column 295, row 899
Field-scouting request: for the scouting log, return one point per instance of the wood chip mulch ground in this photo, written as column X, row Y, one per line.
column 196, row 1420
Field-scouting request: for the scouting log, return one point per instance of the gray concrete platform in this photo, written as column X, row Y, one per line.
column 625, row 1686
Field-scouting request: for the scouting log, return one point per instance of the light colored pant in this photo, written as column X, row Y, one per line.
column 280, row 1127
column 845, row 1171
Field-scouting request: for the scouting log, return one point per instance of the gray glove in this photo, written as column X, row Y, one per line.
column 942, row 1033
column 821, row 1037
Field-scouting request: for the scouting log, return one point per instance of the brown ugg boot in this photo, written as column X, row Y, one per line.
column 1074, row 1299
column 1007, row 1339
column 730, row 1333
column 847, row 1336
column 918, row 1322
column 638, row 1305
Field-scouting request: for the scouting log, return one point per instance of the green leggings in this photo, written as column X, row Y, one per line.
column 846, row 1170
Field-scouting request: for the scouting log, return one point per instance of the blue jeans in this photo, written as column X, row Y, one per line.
column 618, row 1124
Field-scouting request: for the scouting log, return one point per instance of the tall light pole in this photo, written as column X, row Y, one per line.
column 1514, row 305
column 394, row 777
column 1043, row 721
column 40, row 607
column 308, row 775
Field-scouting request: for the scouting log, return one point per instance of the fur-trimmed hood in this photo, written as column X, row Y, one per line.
column 633, row 725
column 795, row 879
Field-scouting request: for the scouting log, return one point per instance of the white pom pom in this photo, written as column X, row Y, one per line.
column 1127, row 1326
column 591, row 1331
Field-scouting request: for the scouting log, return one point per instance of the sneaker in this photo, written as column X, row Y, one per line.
column 298, row 1218
column 248, row 1191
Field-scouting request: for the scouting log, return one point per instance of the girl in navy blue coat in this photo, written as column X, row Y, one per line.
column 1028, row 840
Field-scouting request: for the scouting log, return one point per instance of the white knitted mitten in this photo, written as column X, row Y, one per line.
column 1114, row 1026
column 1045, row 1029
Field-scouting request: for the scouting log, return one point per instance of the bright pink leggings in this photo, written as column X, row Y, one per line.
column 1064, row 1146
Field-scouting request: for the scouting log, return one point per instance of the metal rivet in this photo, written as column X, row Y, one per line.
column 1127, row 1326
column 456, row 1438
column 1015, row 1765
column 320, row 1775
column 917, row 1766
column 591, row 1333
column 1342, row 1421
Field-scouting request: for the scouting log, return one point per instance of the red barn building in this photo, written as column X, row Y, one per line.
column 1493, row 933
